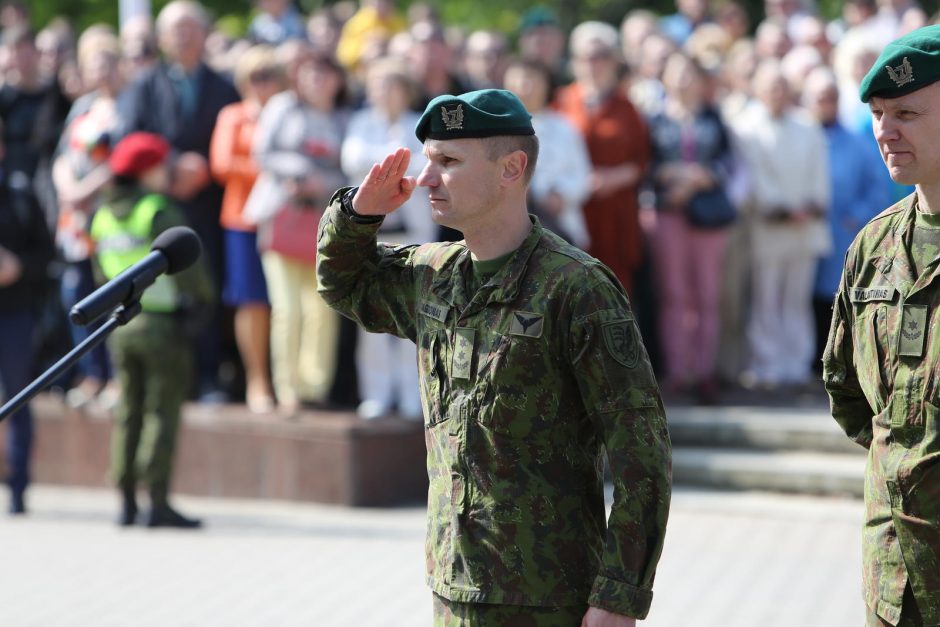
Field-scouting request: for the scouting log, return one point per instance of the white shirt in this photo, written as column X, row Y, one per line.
column 787, row 157
column 564, row 167
column 788, row 161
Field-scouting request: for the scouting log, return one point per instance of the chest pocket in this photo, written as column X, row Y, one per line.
column 432, row 355
column 520, row 386
column 872, row 351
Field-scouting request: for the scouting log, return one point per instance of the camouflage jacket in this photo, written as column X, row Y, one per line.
column 882, row 372
column 522, row 384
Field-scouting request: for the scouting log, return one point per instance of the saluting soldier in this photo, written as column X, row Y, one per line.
column 530, row 362
column 882, row 361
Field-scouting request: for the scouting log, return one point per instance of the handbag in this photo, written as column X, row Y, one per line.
column 292, row 232
column 711, row 209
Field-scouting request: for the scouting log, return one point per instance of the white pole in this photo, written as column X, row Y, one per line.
column 128, row 9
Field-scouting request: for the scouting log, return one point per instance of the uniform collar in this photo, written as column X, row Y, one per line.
column 895, row 262
column 502, row 286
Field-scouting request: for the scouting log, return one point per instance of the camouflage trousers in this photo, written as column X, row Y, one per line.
column 153, row 365
column 910, row 615
column 454, row 614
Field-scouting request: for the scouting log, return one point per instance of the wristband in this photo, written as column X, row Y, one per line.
column 346, row 204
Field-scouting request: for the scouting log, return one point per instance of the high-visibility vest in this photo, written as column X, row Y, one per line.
column 122, row 242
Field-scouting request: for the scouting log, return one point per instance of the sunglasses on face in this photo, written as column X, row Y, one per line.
column 596, row 57
column 262, row 77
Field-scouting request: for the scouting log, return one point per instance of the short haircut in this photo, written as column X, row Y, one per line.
column 96, row 40
column 586, row 35
column 502, row 145
column 182, row 8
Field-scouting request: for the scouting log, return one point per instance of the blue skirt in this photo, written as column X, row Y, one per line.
column 244, row 278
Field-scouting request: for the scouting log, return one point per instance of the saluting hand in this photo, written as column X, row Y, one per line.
column 385, row 188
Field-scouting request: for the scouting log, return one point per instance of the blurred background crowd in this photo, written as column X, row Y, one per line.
column 720, row 165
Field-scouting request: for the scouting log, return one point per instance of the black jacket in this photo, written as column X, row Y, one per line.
column 23, row 232
column 151, row 104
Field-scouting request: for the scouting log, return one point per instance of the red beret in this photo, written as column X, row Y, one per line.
column 137, row 153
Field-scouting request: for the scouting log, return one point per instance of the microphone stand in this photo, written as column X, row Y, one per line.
column 121, row 316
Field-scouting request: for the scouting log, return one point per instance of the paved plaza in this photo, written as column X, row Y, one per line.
column 731, row 560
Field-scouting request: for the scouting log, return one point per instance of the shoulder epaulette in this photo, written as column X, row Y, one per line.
column 898, row 207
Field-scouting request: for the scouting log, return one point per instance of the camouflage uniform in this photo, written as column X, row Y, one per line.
column 153, row 363
column 453, row 614
column 910, row 616
column 882, row 372
column 523, row 381
column 154, row 367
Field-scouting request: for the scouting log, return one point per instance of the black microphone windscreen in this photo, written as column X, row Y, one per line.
column 181, row 247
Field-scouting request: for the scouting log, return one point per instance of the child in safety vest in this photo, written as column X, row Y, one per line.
column 152, row 356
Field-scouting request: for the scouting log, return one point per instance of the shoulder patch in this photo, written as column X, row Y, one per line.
column 622, row 342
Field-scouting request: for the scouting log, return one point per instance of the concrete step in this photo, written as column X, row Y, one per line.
column 833, row 474
column 763, row 428
column 225, row 450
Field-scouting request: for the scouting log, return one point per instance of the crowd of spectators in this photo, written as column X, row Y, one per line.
column 719, row 168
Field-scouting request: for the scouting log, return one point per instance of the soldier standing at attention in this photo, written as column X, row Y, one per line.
column 151, row 354
column 881, row 365
column 530, row 363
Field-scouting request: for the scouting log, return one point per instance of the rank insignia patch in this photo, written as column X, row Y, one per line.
column 463, row 352
column 913, row 330
column 527, row 324
column 621, row 341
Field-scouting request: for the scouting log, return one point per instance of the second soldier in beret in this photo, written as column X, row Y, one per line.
column 530, row 364
column 151, row 354
column 882, row 362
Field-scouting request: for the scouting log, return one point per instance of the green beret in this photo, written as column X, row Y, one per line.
column 536, row 17
column 905, row 65
column 483, row 113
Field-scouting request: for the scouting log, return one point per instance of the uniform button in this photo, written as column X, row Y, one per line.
column 894, row 494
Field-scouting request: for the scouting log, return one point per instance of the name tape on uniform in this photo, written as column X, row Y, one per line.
column 871, row 294
column 431, row 310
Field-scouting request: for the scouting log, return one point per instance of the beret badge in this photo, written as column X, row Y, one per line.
column 902, row 74
column 453, row 117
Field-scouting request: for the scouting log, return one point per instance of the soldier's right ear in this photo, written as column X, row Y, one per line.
column 513, row 167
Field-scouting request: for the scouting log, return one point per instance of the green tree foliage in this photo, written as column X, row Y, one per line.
column 502, row 15
column 82, row 13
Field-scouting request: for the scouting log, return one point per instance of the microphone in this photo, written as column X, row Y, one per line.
column 172, row 251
